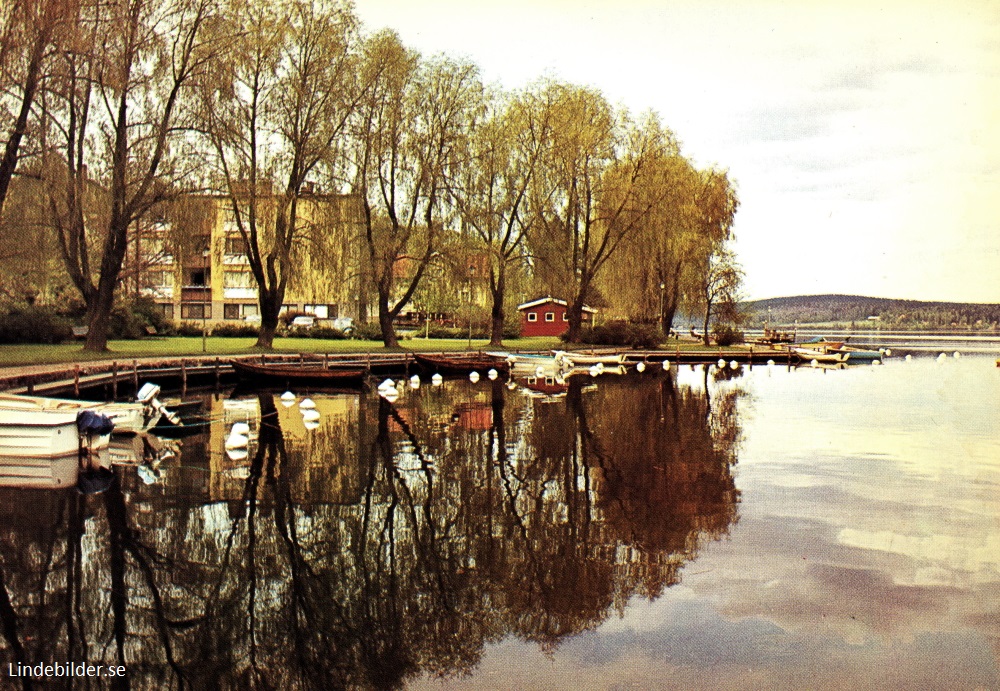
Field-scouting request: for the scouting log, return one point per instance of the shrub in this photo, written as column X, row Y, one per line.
column 621, row 333
column 34, row 325
column 726, row 335
column 286, row 318
column 367, row 332
column 318, row 332
column 236, row 330
column 146, row 309
column 189, row 329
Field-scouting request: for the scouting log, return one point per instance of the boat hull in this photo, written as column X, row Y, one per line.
column 45, row 473
column 290, row 374
column 459, row 364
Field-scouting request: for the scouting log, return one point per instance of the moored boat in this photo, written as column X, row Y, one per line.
column 52, row 472
column 810, row 354
column 586, row 359
column 43, row 433
column 309, row 375
column 460, row 363
column 127, row 417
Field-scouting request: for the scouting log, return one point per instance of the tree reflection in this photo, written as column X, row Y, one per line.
column 400, row 539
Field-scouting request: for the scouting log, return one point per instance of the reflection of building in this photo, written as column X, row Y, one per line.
column 192, row 261
column 548, row 317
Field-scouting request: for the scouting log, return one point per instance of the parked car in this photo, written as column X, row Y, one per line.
column 303, row 322
column 344, row 324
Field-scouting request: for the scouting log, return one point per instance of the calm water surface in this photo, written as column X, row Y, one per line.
column 766, row 528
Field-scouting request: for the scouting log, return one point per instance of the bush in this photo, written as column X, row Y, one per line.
column 318, row 332
column 151, row 314
column 367, row 332
column 726, row 335
column 622, row 333
column 236, row 330
column 189, row 329
column 34, row 325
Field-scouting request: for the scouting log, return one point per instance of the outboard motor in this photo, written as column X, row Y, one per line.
column 147, row 396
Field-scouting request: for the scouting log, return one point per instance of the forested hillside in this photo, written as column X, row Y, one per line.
column 857, row 311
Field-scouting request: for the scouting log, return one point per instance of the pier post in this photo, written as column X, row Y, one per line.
column 326, row 360
column 76, row 380
column 216, row 373
column 135, row 375
column 114, row 380
column 184, row 377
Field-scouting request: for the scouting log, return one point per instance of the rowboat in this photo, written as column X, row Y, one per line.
column 54, row 472
column 859, row 354
column 460, row 363
column 294, row 374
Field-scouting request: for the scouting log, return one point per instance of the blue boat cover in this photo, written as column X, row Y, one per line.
column 89, row 422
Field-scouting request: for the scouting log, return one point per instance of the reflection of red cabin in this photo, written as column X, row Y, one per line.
column 548, row 317
column 473, row 416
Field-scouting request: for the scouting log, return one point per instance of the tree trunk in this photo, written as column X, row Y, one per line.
column 575, row 313
column 268, row 320
column 99, row 313
column 708, row 315
column 385, row 317
column 496, row 314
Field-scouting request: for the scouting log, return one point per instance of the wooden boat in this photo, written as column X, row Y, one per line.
column 27, row 432
column 460, row 363
column 309, row 375
column 859, row 354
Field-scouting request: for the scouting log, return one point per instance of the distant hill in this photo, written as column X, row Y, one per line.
column 867, row 312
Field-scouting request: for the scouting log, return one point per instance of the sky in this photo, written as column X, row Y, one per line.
column 863, row 137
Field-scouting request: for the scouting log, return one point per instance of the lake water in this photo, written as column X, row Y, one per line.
column 697, row 529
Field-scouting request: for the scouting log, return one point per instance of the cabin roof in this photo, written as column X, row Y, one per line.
column 549, row 298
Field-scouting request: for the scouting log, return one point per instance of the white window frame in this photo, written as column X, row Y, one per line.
column 532, row 316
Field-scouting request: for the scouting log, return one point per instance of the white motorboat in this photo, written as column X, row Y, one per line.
column 579, row 359
column 60, row 471
column 825, row 356
column 45, row 433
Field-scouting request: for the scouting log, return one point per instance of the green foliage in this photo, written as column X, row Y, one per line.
column 892, row 314
column 622, row 333
column 31, row 324
column 189, row 329
column 726, row 335
column 326, row 332
column 235, row 330
column 367, row 332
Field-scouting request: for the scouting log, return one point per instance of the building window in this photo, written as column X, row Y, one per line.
column 196, row 310
column 249, row 310
column 235, row 244
column 231, row 311
column 288, row 308
column 167, row 309
column 532, row 317
column 237, row 279
column 550, row 316
column 565, row 316
column 321, row 311
column 198, row 277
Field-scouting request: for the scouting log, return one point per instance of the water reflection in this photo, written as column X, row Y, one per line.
column 392, row 541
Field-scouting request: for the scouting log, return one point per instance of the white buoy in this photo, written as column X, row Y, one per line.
column 512, row 385
column 288, row 403
column 721, row 364
column 387, row 384
column 474, row 377
column 594, row 371
column 640, row 367
column 310, row 414
column 307, row 404
column 876, row 362
column 941, row 357
column 437, row 379
column 240, row 428
column 888, row 352
column 237, row 441
column 733, row 364
column 414, row 382
column 237, row 454
column 391, row 395
column 492, row 374
column 908, row 357
column 814, row 362
column 288, row 396
column 600, row 366
column 957, row 354
column 310, row 424
column 770, row 363
column 666, row 364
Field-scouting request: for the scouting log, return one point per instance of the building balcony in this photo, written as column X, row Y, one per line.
column 239, row 293
column 196, row 294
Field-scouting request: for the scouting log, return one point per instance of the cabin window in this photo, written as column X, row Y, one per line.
column 231, row 311
column 532, row 317
column 550, row 316
column 565, row 316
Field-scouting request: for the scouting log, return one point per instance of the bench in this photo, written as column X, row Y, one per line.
column 80, row 331
column 150, row 330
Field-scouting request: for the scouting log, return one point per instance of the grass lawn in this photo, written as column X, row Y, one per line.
column 13, row 355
